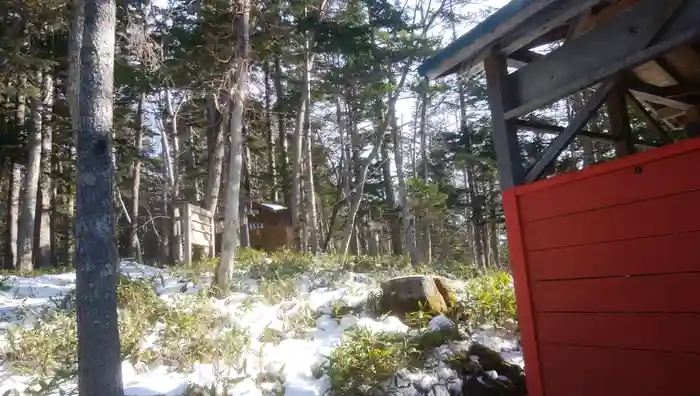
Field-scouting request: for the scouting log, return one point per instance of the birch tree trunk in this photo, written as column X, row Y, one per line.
column 13, row 215
column 233, row 187
column 402, row 200
column 312, row 223
column 43, row 248
column 215, row 143
column 282, row 143
column 74, row 44
column 99, row 363
column 362, row 171
column 297, row 154
column 16, row 184
column 27, row 217
column 477, row 229
column 134, row 244
column 271, row 149
column 394, row 222
column 427, row 241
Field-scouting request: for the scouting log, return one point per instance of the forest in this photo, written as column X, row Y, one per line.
column 314, row 105
column 400, row 165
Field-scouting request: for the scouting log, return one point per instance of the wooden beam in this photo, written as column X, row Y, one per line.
column 674, row 91
column 505, row 136
column 619, row 118
column 691, row 121
column 556, row 34
column 537, row 126
column 633, row 37
column 548, row 19
column 667, row 113
column 648, row 119
column 524, row 56
column 475, row 51
column 536, row 20
column 648, row 97
column 562, row 141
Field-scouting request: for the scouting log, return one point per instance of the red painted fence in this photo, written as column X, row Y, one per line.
column 606, row 264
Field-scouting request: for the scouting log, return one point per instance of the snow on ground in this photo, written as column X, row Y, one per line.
column 295, row 358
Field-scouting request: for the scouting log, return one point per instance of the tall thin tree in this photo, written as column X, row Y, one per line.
column 99, row 366
column 237, row 96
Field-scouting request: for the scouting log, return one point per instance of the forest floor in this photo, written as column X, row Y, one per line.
column 293, row 325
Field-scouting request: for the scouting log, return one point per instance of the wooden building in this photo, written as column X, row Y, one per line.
column 606, row 260
column 269, row 226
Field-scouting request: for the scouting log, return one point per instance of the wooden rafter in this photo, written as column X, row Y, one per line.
column 564, row 139
column 538, row 126
column 651, row 122
column 631, row 38
column 676, row 104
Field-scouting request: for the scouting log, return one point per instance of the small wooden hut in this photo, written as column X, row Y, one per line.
column 269, row 226
column 606, row 260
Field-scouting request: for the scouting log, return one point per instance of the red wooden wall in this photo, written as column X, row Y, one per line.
column 606, row 264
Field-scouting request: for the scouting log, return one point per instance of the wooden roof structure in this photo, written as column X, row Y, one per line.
column 641, row 54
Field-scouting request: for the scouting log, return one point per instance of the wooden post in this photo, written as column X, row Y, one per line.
column 212, row 239
column 187, row 233
column 505, row 138
column 692, row 122
column 620, row 122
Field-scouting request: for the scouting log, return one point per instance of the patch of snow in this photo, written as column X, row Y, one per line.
column 273, row 206
column 293, row 355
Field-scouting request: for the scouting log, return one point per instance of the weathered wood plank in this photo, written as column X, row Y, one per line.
column 620, row 128
column 560, row 142
column 505, row 137
column 581, row 62
column 548, row 19
column 651, row 122
column 537, row 126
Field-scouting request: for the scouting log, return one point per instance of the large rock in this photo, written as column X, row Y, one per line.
column 406, row 294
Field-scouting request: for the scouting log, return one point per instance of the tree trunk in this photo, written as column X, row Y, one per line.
column 494, row 237
column 74, row 45
column 27, row 217
column 99, row 367
column 394, row 223
column 312, row 223
column 233, row 186
column 408, row 229
column 427, row 240
column 477, row 228
column 13, row 215
column 280, row 109
column 43, row 248
column 297, row 153
column 271, row 152
column 362, row 174
column 16, row 182
column 245, row 199
column 134, row 244
column 215, row 143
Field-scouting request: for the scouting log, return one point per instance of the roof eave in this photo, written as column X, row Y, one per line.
column 471, row 48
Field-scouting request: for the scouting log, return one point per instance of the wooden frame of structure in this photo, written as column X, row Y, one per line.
column 583, row 253
column 195, row 227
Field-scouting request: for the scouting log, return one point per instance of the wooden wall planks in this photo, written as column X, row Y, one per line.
column 584, row 371
column 607, row 261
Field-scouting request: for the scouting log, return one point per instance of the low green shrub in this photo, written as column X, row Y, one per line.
column 186, row 332
column 365, row 361
column 490, row 300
